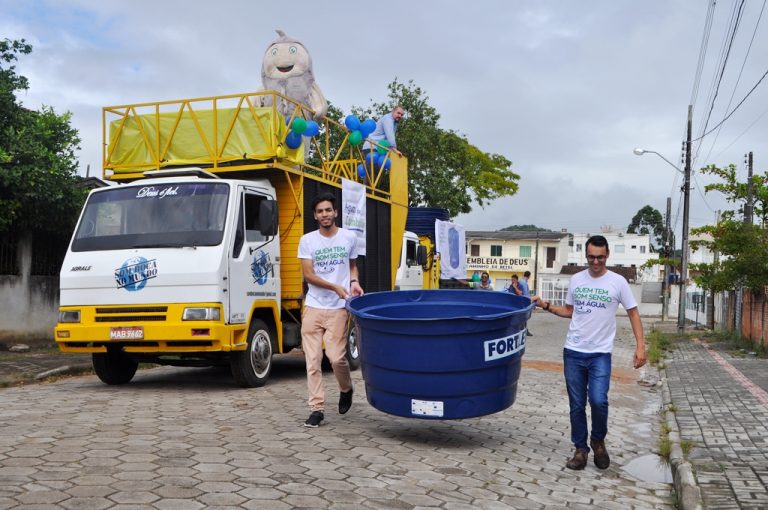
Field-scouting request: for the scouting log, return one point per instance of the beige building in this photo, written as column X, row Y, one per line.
column 505, row 253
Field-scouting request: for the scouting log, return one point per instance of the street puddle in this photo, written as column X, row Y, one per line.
column 649, row 468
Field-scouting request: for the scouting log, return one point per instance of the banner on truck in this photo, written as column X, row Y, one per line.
column 450, row 244
column 353, row 211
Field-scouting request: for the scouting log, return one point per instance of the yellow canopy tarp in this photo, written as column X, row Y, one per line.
column 257, row 134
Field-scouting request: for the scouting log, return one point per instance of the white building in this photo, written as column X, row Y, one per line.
column 626, row 250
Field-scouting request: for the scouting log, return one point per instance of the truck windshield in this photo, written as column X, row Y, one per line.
column 159, row 215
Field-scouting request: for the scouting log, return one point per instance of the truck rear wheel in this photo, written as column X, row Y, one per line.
column 251, row 367
column 353, row 348
column 114, row 366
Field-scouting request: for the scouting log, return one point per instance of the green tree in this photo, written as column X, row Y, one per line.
column 648, row 221
column 526, row 228
column 743, row 246
column 445, row 169
column 38, row 169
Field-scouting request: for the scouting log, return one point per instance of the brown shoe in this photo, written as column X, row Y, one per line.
column 602, row 460
column 579, row 460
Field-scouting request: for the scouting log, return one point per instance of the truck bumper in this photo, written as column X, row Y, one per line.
column 147, row 329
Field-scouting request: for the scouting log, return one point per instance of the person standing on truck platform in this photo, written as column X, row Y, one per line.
column 386, row 129
column 328, row 262
column 593, row 297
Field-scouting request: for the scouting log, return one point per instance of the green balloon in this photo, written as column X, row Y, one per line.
column 299, row 125
column 355, row 138
column 382, row 149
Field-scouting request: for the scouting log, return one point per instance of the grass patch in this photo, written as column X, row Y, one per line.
column 735, row 345
column 672, row 408
column 686, row 445
column 658, row 344
column 665, row 448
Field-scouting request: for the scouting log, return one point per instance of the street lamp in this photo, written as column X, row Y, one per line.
column 686, row 208
column 639, row 152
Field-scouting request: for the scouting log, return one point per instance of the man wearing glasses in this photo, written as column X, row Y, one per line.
column 593, row 297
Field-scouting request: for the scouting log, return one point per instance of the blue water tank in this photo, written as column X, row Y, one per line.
column 441, row 354
column 421, row 220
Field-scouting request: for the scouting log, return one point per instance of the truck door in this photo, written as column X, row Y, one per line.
column 410, row 272
column 254, row 264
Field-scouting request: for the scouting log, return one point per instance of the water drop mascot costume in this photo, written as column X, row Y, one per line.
column 287, row 69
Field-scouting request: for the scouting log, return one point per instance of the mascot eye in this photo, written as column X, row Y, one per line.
column 292, row 50
column 274, row 51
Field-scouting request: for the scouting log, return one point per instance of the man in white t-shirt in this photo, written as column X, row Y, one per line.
column 593, row 297
column 328, row 262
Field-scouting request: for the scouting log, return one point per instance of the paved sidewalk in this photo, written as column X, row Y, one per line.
column 721, row 406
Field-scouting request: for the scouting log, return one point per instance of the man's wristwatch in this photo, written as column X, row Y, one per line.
column 352, row 281
column 546, row 308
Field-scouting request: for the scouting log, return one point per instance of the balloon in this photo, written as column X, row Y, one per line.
column 379, row 159
column 387, row 164
column 293, row 140
column 313, row 128
column 352, row 123
column 355, row 138
column 367, row 127
column 475, row 276
column 383, row 149
column 299, row 125
column 370, row 159
column 361, row 170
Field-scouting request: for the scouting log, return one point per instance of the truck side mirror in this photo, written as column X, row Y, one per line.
column 268, row 217
column 421, row 255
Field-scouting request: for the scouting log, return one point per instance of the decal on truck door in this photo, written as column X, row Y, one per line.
column 261, row 267
column 134, row 273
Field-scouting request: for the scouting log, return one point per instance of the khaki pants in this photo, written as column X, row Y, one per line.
column 327, row 327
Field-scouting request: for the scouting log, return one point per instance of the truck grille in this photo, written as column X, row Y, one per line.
column 131, row 314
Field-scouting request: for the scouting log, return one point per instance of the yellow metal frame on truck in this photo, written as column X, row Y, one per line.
column 153, row 134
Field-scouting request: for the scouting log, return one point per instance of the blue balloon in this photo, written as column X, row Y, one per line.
column 293, row 140
column 379, row 159
column 370, row 160
column 361, row 170
column 313, row 128
column 352, row 123
column 367, row 127
column 387, row 164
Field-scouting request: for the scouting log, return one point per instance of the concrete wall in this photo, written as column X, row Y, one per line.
column 28, row 304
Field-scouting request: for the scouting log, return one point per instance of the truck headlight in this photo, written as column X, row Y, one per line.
column 201, row 314
column 69, row 315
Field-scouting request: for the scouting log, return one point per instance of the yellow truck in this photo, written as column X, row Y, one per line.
column 189, row 258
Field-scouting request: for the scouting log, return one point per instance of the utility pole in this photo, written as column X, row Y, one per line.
column 711, row 294
column 667, row 252
column 536, row 265
column 686, row 210
column 738, row 315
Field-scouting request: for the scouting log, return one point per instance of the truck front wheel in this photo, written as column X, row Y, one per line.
column 251, row 367
column 114, row 366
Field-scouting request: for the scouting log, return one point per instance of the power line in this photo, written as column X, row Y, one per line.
column 725, row 54
column 734, row 110
column 738, row 79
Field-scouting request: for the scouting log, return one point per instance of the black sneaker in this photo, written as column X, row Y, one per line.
column 528, row 332
column 345, row 401
column 314, row 419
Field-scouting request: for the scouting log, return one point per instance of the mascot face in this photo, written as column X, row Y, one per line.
column 285, row 60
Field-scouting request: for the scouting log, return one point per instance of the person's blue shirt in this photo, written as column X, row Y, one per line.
column 385, row 130
column 523, row 284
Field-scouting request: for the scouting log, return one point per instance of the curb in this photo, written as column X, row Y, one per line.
column 688, row 491
column 62, row 370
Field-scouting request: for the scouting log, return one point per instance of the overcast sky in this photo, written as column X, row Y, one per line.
column 564, row 89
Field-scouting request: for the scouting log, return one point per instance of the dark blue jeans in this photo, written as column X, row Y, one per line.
column 587, row 376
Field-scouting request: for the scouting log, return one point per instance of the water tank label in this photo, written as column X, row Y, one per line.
column 504, row 347
column 426, row 408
